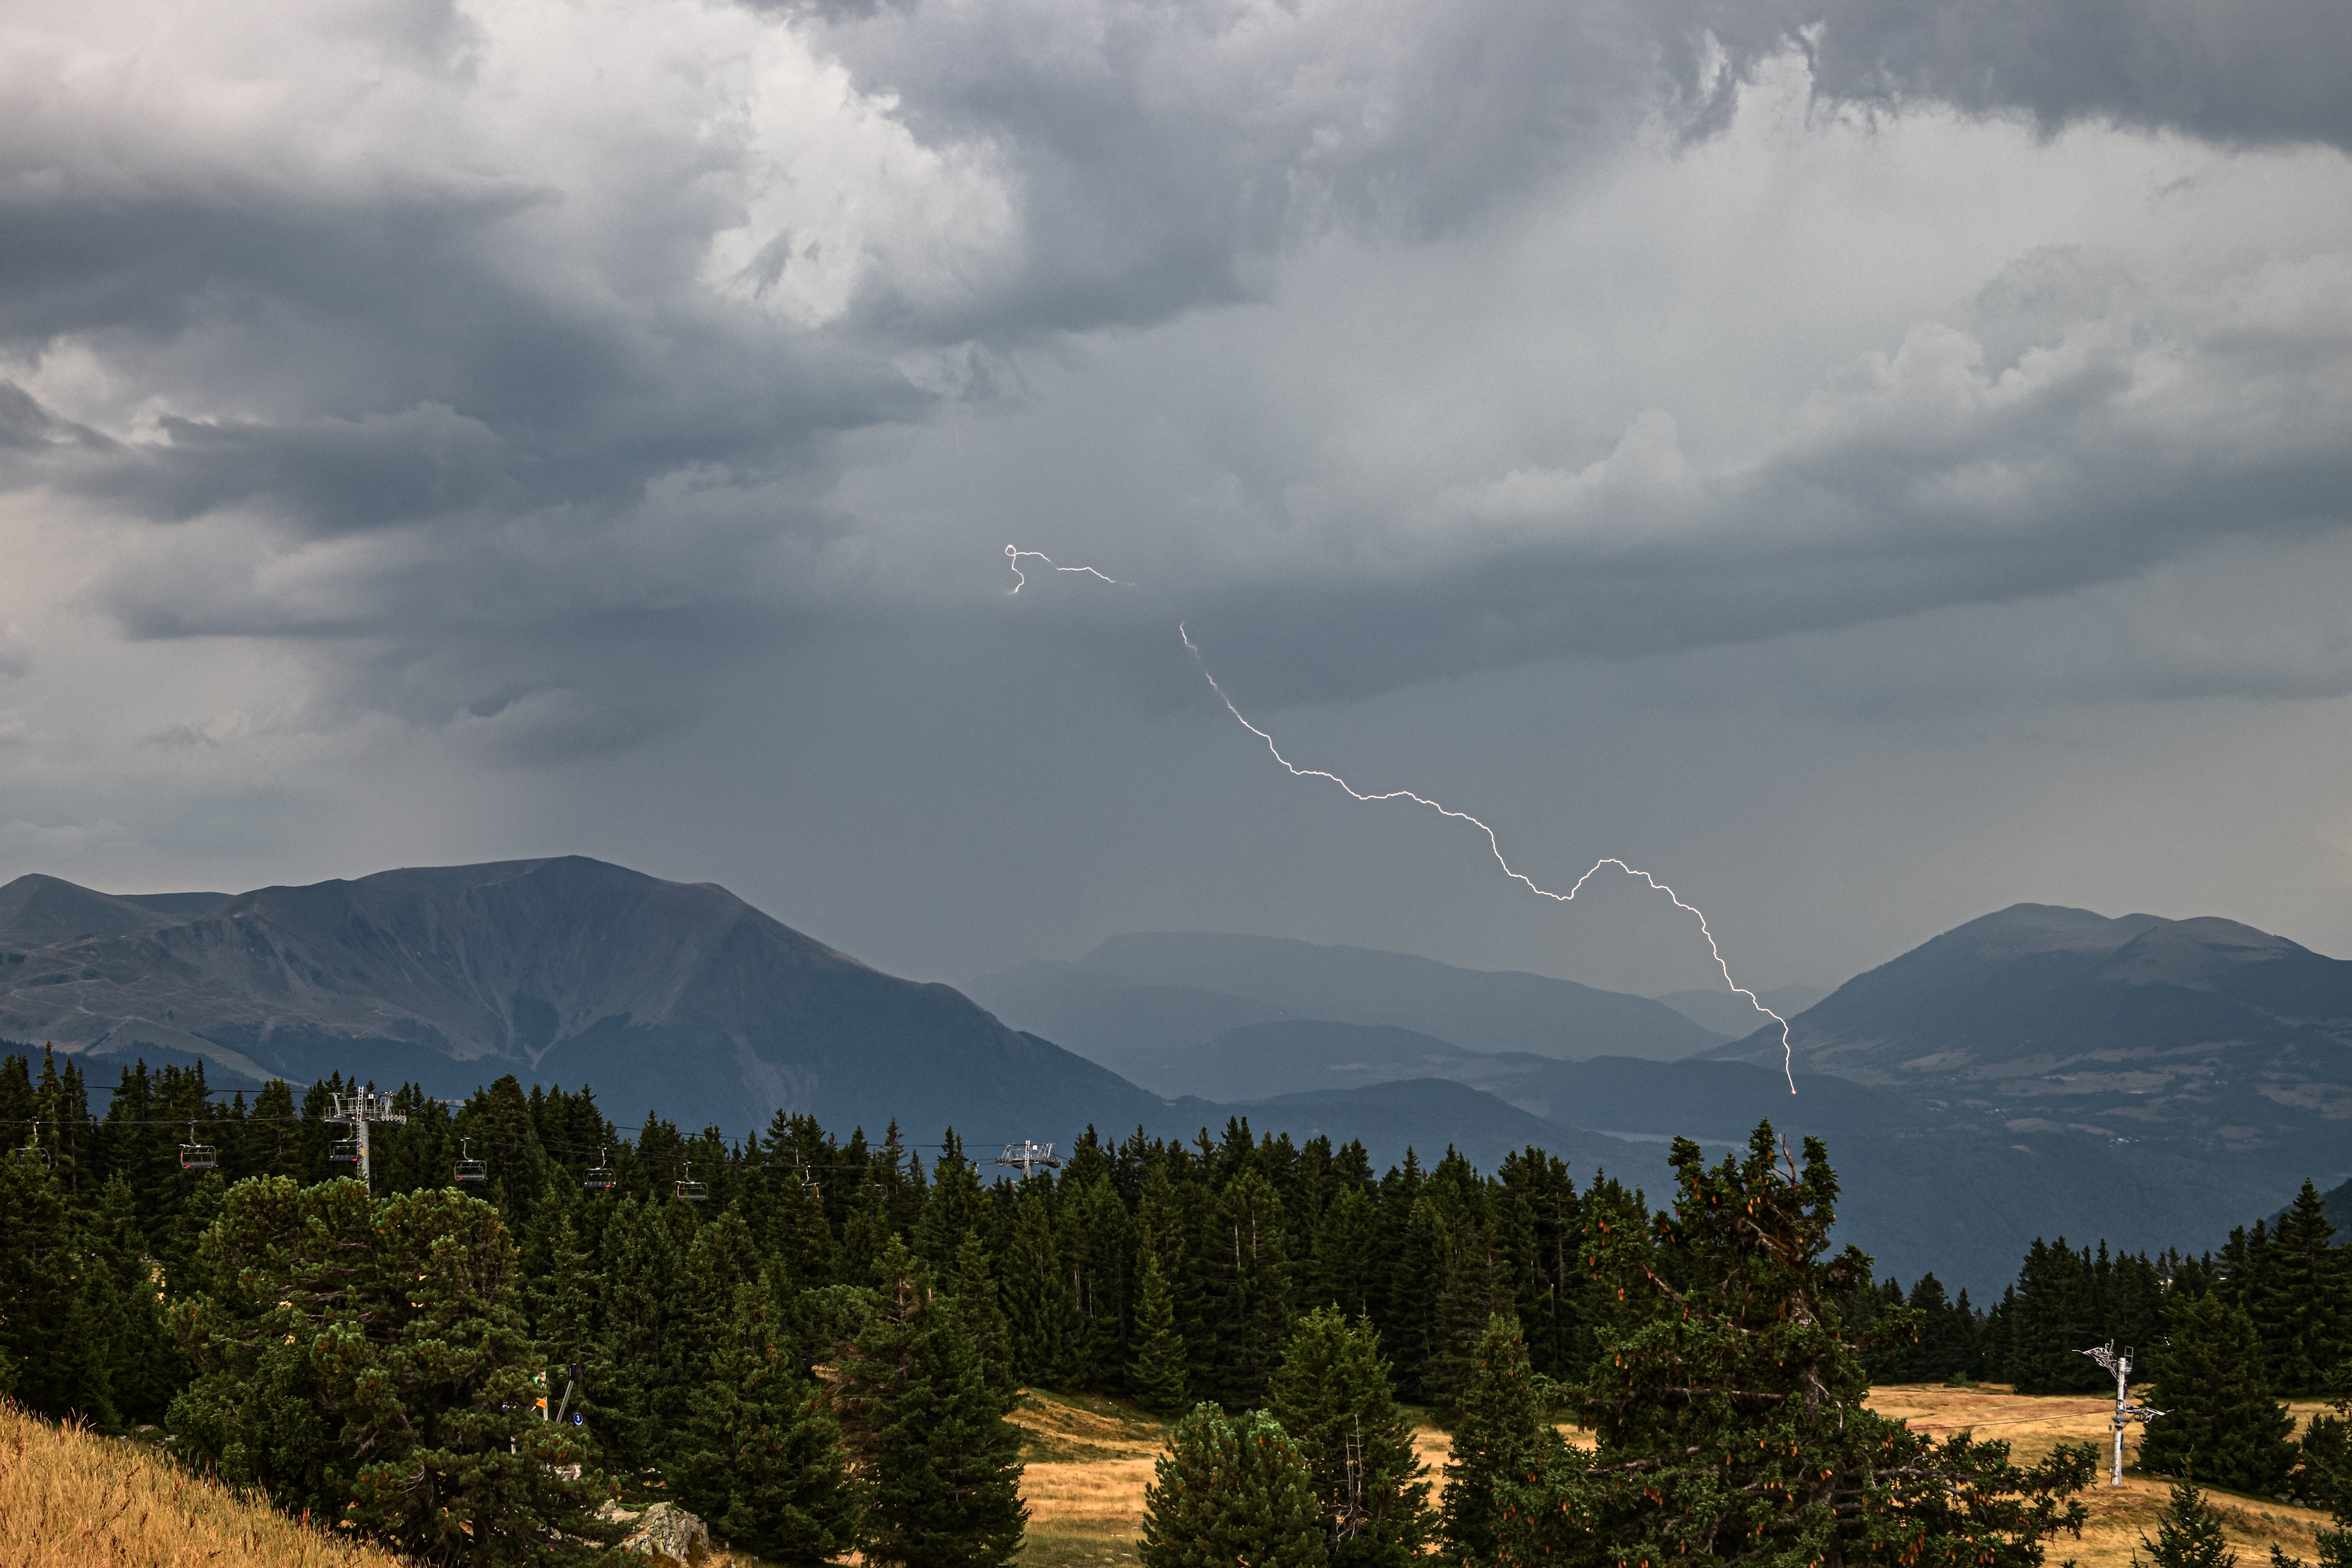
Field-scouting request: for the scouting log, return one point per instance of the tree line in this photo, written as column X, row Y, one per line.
column 820, row 1353
column 2292, row 1282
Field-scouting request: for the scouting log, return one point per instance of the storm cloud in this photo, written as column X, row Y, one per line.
column 521, row 382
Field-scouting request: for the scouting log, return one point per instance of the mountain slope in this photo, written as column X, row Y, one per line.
column 2194, row 1034
column 1181, row 987
column 659, row 993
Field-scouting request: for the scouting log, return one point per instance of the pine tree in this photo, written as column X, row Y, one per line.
column 1249, row 1290
column 367, row 1359
column 1036, row 1293
column 2222, row 1425
column 2051, row 1319
column 2303, row 1314
column 974, row 1285
column 1231, row 1493
column 1343, row 1269
column 62, row 1358
column 1477, row 1287
column 1497, row 1442
column 2187, row 1533
column 1731, row 1423
column 1157, row 1374
column 147, row 1366
column 1333, row 1394
column 1421, row 1262
column 761, row 1462
column 940, row 1463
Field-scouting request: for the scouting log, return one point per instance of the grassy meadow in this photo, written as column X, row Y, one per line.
column 1089, row 1459
column 69, row 1498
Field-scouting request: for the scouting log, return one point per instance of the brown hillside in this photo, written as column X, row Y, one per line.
column 71, row 1499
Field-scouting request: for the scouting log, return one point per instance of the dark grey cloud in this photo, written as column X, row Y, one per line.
column 518, row 388
column 2265, row 71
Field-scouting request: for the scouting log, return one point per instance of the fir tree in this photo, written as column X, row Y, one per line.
column 1477, row 1287
column 1036, row 1293
column 2187, row 1533
column 63, row 1357
column 147, row 1367
column 2221, row 1426
column 367, row 1359
column 2303, row 1314
column 974, row 1285
column 1157, row 1374
column 1333, row 1394
column 763, row 1463
column 1497, row 1442
column 1343, row 1269
column 939, row 1463
column 1249, row 1288
column 1731, row 1424
column 1231, row 1493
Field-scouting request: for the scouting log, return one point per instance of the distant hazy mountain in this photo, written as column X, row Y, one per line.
column 1728, row 1012
column 1432, row 1115
column 660, row 995
column 1158, row 989
column 2198, row 1036
column 2040, row 1071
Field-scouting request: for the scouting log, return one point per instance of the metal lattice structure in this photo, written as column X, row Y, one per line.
column 1026, row 1155
column 359, row 1110
column 2125, row 1411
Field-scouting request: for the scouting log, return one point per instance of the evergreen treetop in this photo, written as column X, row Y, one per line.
column 1231, row 1493
column 1731, row 1423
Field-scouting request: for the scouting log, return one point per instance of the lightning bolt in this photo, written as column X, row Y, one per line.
column 1788, row 1066
column 1013, row 556
column 1494, row 843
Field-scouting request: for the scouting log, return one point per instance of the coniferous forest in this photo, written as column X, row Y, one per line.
column 812, row 1342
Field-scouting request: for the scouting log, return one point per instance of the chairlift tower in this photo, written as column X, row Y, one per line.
column 359, row 1110
column 1026, row 1154
column 2125, row 1411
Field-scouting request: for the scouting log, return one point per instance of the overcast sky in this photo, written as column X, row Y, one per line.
column 1866, row 464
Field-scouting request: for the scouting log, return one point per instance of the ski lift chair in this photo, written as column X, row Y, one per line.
column 689, row 1189
column 599, row 1175
column 35, row 1149
column 469, row 1168
column 195, row 1156
column 345, row 1150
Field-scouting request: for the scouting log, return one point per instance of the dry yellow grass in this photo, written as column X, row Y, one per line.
column 71, row 1499
column 1089, row 1461
column 2032, row 1425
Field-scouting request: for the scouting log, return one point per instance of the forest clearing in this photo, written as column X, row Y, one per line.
column 71, row 1498
column 1088, row 1460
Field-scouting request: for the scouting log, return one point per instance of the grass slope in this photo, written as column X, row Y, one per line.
column 1089, row 1460
column 71, row 1499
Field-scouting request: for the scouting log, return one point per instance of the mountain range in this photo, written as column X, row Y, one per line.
column 2200, row 1037
column 2037, row 1071
column 1176, row 988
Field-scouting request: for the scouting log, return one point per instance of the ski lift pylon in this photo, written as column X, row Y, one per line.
column 689, row 1189
column 599, row 1174
column 197, row 1156
column 469, row 1168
